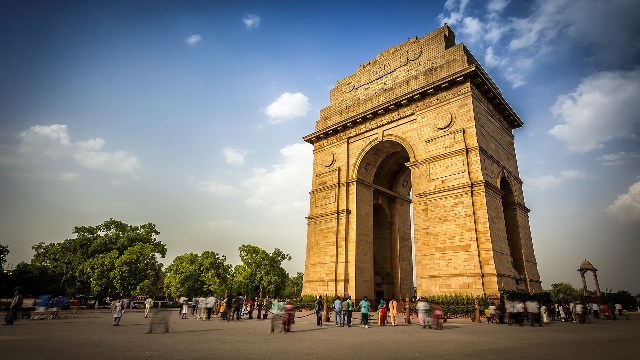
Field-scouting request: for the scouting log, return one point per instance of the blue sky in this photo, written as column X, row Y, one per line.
column 191, row 115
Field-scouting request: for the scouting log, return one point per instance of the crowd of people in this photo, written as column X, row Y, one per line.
column 230, row 308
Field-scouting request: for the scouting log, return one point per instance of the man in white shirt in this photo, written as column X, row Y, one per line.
column 209, row 304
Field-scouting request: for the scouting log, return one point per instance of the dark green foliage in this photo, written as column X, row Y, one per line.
column 294, row 286
column 193, row 275
column 455, row 305
column 107, row 259
column 260, row 271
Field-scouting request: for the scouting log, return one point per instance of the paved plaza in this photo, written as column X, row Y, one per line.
column 91, row 336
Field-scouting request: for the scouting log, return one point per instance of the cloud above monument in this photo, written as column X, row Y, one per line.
column 284, row 186
column 516, row 44
column 288, row 106
column 548, row 181
column 604, row 106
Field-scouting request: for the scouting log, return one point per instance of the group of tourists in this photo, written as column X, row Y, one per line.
column 517, row 312
column 386, row 312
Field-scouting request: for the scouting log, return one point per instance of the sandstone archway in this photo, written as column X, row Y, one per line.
column 420, row 125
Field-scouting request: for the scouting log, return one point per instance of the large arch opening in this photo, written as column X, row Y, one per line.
column 384, row 188
column 513, row 231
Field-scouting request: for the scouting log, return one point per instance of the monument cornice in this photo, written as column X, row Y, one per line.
column 474, row 74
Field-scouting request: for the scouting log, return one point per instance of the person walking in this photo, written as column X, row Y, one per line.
column 276, row 308
column 209, row 304
column 319, row 306
column 289, row 317
column 393, row 310
column 16, row 304
column 148, row 304
column 238, row 303
column 423, row 310
column 194, row 306
column 533, row 309
column 184, row 307
column 228, row 307
column 117, row 310
column 364, row 313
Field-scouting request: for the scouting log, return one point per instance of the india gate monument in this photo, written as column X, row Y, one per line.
column 420, row 132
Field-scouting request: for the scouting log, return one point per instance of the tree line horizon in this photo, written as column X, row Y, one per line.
column 118, row 259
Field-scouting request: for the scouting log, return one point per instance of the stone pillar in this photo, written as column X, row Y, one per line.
column 584, row 284
column 595, row 279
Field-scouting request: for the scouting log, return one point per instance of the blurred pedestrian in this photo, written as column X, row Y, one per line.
column 276, row 308
column 393, row 310
column 533, row 310
column 148, row 304
column 423, row 308
column 117, row 308
column 289, row 317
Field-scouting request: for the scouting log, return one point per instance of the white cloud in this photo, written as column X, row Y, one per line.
column 627, row 206
column 119, row 161
column 604, row 106
column 234, row 156
column 45, row 141
column 286, row 185
column 91, row 144
column 549, row 181
column 472, row 27
column 490, row 59
column 117, row 182
column 69, row 176
column 618, row 158
column 288, row 106
column 251, row 21
column 216, row 188
column 496, row 6
column 53, row 141
column 193, row 39
column 550, row 26
column 456, row 8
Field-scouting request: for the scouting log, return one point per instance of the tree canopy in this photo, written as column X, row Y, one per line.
column 564, row 291
column 110, row 258
column 260, row 270
column 192, row 274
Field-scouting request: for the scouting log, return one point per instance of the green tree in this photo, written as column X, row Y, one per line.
column 564, row 292
column 192, row 274
column 137, row 271
column 91, row 262
column 183, row 276
column 4, row 251
column 261, row 270
column 293, row 289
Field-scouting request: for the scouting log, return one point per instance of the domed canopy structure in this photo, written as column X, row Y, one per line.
column 584, row 267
